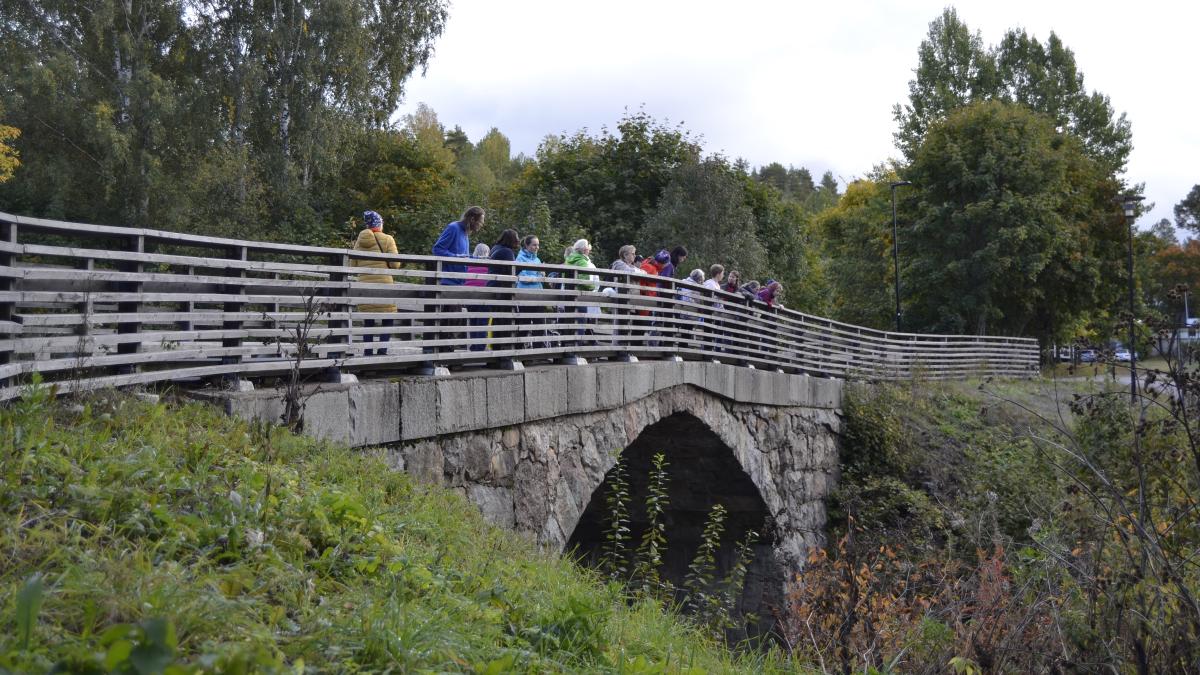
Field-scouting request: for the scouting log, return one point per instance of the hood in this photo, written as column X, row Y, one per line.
column 527, row 257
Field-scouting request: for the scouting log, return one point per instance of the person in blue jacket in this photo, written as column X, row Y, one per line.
column 529, row 254
column 455, row 242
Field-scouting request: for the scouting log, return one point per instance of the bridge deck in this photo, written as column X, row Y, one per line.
column 91, row 306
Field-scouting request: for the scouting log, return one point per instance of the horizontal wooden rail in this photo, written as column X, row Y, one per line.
column 91, row 306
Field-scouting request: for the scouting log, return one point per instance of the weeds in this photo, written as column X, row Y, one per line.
column 709, row 603
column 156, row 535
column 299, row 341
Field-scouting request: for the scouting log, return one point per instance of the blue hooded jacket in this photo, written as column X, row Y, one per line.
column 524, row 256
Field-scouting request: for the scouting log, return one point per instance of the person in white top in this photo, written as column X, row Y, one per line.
column 716, row 275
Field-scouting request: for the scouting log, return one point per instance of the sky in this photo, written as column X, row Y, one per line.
column 807, row 84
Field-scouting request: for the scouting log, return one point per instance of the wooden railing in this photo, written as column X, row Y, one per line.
column 93, row 306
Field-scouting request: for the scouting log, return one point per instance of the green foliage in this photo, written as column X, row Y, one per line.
column 954, row 70
column 793, row 255
column 931, row 462
column 703, row 568
column 704, row 206
column 856, row 238
column 173, row 539
column 1187, row 211
column 710, row 603
column 649, row 556
column 9, row 156
column 29, row 603
column 608, row 184
column 617, row 536
column 793, row 184
column 1013, row 227
column 201, row 115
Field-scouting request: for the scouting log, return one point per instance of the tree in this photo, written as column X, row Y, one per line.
column 1014, row 228
column 784, row 228
column 430, row 136
column 495, row 151
column 1044, row 78
column 856, row 239
column 124, row 102
column 457, row 141
column 9, row 157
column 1187, row 211
column 704, row 207
column 954, row 70
column 1176, row 267
column 608, row 184
column 793, row 184
column 404, row 180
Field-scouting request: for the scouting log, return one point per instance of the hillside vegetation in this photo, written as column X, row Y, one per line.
column 1001, row 527
column 995, row 527
column 140, row 537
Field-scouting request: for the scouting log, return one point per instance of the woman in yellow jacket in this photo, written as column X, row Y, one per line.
column 373, row 240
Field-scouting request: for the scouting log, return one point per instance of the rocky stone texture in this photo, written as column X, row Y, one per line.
column 538, row 477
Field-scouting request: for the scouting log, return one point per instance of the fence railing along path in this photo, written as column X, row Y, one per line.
column 93, row 306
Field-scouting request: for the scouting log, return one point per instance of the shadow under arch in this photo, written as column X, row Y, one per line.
column 703, row 472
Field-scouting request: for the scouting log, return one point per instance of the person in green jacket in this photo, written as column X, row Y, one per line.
column 580, row 256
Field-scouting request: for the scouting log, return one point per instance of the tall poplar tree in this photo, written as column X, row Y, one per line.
column 198, row 114
column 954, row 69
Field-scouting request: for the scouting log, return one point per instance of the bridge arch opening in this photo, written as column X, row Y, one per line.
column 703, row 472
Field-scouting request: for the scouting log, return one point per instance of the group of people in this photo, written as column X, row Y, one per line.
column 454, row 242
column 650, row 272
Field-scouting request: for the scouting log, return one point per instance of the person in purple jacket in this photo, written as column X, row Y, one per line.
column 679, row 255
column 455, row 242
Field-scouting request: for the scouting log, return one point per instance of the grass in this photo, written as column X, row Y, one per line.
column 172, row 538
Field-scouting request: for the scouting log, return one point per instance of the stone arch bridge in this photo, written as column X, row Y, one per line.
column 532, row 449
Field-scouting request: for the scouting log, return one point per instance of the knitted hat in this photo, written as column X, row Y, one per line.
column 662, row 257
column 373, row 220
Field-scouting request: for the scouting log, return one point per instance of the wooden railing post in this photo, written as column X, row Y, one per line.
column 131, row 303
column 8, row 307
column 434, row 311
column 339, row 318
column 233, row 378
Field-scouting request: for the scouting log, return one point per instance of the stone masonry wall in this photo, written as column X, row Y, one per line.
column 530, row 447
column 538, row 477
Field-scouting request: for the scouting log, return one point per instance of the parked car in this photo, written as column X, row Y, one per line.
column 1088, row 356
column 1122, row 355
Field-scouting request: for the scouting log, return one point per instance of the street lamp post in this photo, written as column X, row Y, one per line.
column 896, row 248
column 1129, row 203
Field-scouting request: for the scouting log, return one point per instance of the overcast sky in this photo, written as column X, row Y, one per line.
column 804, row 83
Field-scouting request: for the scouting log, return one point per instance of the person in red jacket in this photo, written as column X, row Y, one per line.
column 653, row 267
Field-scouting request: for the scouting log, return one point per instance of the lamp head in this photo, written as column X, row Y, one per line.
column 1129, row 203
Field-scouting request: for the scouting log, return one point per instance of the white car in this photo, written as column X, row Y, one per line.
column 1122, row 355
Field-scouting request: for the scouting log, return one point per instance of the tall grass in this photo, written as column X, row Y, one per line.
column 170, row 537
